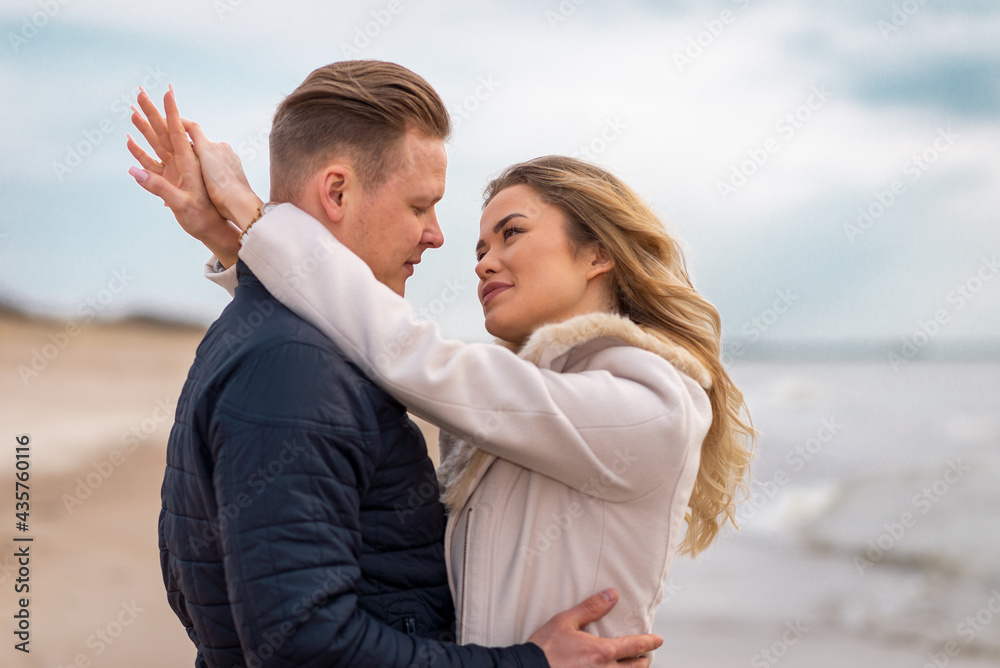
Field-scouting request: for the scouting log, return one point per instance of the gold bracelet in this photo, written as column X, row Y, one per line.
column 260, row 214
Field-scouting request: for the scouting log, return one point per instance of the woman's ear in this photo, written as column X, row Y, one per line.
column 600, row 261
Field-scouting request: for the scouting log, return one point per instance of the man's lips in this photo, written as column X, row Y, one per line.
column 491, row 290
column 409, row 266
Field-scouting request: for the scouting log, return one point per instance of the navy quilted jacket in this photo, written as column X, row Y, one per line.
column 301, row 524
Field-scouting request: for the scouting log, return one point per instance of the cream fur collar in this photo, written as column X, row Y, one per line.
column 463, row 464
column 550, row 341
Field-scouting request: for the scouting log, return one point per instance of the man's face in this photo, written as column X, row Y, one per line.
column 392, row 227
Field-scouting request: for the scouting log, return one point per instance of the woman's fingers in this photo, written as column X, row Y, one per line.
column 140, row 123
column 157, row 124
column 223, row 175
column 187, row 161
column 198, row 137
column 142, row 157
column 154, row 183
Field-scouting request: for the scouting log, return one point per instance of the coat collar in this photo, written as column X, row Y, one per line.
column 550, row 342
column 463, row 465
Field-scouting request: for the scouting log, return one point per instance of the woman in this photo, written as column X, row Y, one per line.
column 573, row 465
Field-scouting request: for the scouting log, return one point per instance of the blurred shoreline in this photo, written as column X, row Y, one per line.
column 917, row 347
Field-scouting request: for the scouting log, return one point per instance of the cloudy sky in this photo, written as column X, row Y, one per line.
column 831, row 167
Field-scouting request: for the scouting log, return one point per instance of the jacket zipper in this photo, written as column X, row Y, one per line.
column 465, row 576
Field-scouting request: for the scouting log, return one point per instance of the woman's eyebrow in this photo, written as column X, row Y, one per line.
column 498, row 226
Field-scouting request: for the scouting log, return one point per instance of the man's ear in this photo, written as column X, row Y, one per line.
column 337, row 185
column 600, row 261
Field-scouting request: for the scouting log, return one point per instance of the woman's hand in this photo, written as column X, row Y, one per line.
column 177, row 179
column 225, row 180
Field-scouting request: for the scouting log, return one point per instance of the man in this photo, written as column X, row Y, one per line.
column 281, row 540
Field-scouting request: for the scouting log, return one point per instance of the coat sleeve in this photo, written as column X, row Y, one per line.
column 606, row 432
column 221, row 276
column 288, row 484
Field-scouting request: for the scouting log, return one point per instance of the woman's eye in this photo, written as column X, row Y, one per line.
column 505, row 234
column 509, row 231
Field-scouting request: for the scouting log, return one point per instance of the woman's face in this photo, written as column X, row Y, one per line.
column 529, row 272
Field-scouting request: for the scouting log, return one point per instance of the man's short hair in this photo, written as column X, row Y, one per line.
column 355, row 109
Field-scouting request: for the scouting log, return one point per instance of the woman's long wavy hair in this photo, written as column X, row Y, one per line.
column 652, row 288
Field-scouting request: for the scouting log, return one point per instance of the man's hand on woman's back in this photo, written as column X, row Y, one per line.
column 565, row 644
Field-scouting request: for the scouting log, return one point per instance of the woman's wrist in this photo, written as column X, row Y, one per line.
column 225, row 245
column 244, row 209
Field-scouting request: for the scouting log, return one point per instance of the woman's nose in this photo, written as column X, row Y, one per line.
column 487, row 265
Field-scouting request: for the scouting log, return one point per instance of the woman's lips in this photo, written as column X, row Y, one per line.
column 491, row 290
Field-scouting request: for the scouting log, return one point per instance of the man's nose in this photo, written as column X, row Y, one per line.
column 433, row 237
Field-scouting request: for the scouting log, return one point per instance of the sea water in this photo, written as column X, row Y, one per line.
column 874, row 516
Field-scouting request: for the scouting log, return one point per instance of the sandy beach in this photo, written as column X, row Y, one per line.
column 94, row 559
column 99, row 409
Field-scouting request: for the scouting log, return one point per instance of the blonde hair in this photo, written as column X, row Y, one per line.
column 359, row 109
column 652, row 288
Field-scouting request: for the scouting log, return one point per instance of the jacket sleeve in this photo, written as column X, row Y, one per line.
column 577, row 428
column 221, row 276
column 289, row 481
